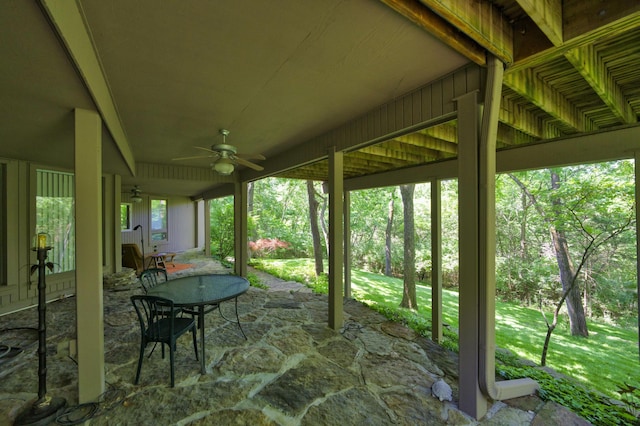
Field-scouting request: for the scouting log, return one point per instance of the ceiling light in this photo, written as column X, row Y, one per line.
column 135, row 195
column 224, row 166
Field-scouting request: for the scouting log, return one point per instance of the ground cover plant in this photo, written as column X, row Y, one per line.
column 603, row 366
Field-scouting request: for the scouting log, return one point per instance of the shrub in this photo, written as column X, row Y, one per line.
column 268, row 247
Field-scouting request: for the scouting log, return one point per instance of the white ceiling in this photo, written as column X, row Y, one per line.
column 275, row 73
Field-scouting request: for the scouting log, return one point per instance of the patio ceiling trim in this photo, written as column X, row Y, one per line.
column 67, row 19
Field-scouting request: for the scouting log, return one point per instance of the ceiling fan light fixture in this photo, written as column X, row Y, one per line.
column 224, row 166
column 135, row 195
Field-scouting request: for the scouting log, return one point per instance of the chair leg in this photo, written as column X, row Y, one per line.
column 142, row 346
column 195, row 343
column 172, row 345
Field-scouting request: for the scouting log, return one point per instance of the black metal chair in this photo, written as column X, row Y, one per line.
column 151, row 277
column 159, row 324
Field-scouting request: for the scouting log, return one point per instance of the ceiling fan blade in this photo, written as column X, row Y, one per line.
column 252, row 156
column 249, row 164
column 206, row 149
column 192, row 158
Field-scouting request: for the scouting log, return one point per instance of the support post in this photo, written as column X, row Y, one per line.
column 472, row 401
column 336, row 241
column 241, row 232
column 347, row 245
column 89, row 300
column 436, row 261
column 206, row 225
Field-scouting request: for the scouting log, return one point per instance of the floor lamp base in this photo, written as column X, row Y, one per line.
column 42, row 411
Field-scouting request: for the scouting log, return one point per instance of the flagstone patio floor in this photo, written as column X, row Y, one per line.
column 292, row 370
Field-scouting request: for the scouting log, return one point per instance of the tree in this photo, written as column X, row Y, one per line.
column 315, row 231
column 592, row 206
column 221, row 222
column 388, row 269
column 409, row 299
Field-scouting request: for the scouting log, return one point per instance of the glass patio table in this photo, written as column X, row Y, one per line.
column 201, row 291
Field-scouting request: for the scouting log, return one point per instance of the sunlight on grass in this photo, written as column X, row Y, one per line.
column 609, row 357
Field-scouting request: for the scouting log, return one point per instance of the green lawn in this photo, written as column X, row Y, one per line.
column 609, row 357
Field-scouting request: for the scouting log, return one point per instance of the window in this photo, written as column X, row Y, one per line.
column 125, row 216
column 158, row 220
column 55, row 216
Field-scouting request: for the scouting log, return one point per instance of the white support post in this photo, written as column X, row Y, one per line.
column 89, row 303
column 336, row 240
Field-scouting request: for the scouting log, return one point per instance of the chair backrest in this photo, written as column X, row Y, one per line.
column 156, row 317
column 132, row 257
column 151, row 277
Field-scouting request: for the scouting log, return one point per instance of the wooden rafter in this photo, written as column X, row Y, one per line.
column 427, row 141
column 527, row 84
column 587, row 61
column 520, row 118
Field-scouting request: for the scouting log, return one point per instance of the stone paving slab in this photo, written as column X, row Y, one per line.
column 292, row 370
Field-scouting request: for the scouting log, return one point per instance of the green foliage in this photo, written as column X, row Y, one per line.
column 302, row 272
column 254, row 281
column 597, row 200
column 281, row 211
column 593, row 406
column 221, row 220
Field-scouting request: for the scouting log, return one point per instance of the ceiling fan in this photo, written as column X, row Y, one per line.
column 225, row 157
column 135, row 194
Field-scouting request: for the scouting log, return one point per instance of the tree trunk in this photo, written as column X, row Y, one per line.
column 409, row 294
column 387, row 236
column 315, row 231
column 577, row 320
column 253, row 233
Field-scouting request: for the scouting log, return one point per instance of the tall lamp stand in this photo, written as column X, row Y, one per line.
column 46, row 408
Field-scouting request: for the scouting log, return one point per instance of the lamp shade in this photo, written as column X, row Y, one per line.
column 224, row 166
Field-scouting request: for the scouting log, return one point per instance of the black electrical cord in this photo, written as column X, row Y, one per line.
column 79, row 414
column 6, row 350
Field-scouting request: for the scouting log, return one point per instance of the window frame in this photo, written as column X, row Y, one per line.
column 129, row 207
column 163, row 231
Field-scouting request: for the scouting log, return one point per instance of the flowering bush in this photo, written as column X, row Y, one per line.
column 268, row 247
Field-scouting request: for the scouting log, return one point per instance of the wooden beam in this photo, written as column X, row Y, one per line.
column 68, row 20
column 547, row 15
column 629, row 22
column 439, row 28
column 520, row 117
column 445, row 132
column 527, row 84
column 481, row 21
column 427, row 141
column 593, row 69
